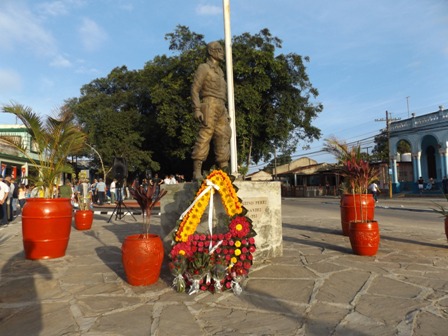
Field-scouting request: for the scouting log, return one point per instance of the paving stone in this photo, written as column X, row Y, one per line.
column 430, row 324
column 390, row 287
column 342, row 287
column 177, row 319
column 318, row 287
column 282, row 272
column 298, row 291
column 98, row 305
column 323, row 318
column 133, row 322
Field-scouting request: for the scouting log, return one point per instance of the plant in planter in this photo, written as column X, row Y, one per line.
column 84, row 213
column 363, row 232
column 46, row 221
column 142, row 254
column 350, row 204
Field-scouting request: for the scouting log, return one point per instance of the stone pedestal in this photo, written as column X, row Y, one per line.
column 261, row 199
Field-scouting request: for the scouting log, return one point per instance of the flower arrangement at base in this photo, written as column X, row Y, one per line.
column 213, row 261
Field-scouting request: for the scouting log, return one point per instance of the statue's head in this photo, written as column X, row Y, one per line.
column 215, row 50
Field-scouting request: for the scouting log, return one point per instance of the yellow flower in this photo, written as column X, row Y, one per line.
column 234, row 260
column 237, row 252
column 237, row 243
column 182, row 252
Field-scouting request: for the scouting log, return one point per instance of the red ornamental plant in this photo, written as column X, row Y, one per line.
column 146, row 199
column 359, row 175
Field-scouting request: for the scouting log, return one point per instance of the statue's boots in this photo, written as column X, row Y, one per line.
column 197, row 170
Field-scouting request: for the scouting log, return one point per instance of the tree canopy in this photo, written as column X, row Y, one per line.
column 146, row 115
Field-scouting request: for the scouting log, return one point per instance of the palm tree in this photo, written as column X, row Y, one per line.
column 53, row 139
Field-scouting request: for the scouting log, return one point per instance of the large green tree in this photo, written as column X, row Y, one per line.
column 274, row 100
column 110, row 111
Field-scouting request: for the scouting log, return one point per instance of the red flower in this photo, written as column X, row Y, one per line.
column 182, row 249
column 239, row 227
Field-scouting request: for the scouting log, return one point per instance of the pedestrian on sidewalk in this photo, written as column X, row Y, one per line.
column 101, row 191
column 375, row 190
column 420, row 183
column 4, row 190
column 22, row 196
column 113, row 191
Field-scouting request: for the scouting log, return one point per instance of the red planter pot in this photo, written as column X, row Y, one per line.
column 46, row 225
column 142, row 256
column 365, row 237
column 355, row 208
column 83, row 219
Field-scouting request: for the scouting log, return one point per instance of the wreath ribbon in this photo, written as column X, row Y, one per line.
column 211, row 187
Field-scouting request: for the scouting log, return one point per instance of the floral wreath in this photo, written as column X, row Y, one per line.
column 213, row 261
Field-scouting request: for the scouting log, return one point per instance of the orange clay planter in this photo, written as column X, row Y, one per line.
column 364, row 237
column 83, row 219
column 349, row 202
column 46, row 225
column 142, row 256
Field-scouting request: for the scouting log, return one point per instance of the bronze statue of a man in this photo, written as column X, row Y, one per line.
column 209, row 96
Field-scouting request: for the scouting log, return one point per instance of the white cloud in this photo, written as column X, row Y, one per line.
column 92, row 35
column 10, row 81
column 59, row 7
column 60, row 61
column 19, row 27
column 55, row 8
column 208, row 10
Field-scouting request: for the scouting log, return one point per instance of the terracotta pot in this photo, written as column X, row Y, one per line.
column 46, row 225
column 83, row 219
column 142, row 256
column 364, row 237
column 354, row 208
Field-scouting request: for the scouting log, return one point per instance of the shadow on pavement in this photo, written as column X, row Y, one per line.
column 319, row 244
column 410, row 241
column 312, row 228
column 18, row 285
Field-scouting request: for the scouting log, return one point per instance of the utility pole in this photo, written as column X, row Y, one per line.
column 367, row 149
column 388, row 120
column 407, row 103
column 230, row 88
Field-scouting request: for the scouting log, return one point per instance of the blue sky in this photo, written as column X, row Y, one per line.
column 367, row 56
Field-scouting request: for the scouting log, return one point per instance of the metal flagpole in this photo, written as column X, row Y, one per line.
column 230, row 92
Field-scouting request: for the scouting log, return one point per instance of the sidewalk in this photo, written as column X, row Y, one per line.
column 318, row 287
column 422, row 204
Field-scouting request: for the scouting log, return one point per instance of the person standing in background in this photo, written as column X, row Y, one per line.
column 93, row 189
column 101, row 191
column 113, row 191
column 4, row 190
column 22, row 196
column 9, row 201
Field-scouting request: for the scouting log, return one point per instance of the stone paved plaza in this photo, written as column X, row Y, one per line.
column 318, row 286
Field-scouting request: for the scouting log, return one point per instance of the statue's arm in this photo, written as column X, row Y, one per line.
column 196, row 87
